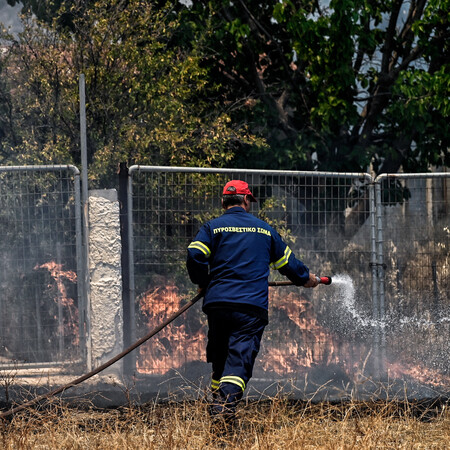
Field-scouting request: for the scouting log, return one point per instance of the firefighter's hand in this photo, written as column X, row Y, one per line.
column 312, row 282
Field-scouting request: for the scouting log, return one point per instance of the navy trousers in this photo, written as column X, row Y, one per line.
column 234, row 340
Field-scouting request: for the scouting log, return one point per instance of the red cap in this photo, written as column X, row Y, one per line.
column 239, row 187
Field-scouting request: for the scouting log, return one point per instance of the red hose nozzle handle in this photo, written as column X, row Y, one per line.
column 324, row 280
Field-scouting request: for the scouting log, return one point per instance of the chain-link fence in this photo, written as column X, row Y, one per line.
column 326, row 219
column 354, row 334
column 384, row 241
column 40, row 251
column 414, row 264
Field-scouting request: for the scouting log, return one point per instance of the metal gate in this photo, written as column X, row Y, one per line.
column 330, row 342
column 328, row 220
column 41, row 298
column 413, row 260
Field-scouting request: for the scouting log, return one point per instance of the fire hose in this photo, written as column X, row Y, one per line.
column 321, row 280
column 156, row 330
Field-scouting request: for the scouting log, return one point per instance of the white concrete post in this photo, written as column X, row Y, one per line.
column 105, row 278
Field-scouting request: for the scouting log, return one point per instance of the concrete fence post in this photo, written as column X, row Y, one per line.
column 105, row 277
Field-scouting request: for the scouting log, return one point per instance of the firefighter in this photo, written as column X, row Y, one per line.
column 230, row 259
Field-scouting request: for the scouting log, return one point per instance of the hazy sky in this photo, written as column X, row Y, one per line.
column 8, row 16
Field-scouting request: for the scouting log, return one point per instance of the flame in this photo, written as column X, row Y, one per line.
column 175, row 345
column 289, row 356
column 60, row 277
column 304, row 342
column 418, row 373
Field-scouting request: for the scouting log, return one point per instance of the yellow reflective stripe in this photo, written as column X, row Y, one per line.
column 283, row 260
column 215, row 384
column 200, row 246
column 234, row 380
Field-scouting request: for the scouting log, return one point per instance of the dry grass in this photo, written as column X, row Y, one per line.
column 271, row 424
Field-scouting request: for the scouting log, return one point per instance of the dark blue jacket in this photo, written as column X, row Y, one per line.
column 231, row 256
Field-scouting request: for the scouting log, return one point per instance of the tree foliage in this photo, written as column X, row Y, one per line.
column 345, row 85
column 145, row 96
column 334, row 86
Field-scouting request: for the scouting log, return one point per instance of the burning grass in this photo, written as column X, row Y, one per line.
column 277, row 423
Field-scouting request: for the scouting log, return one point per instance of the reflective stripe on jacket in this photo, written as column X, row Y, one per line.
column 231, row 256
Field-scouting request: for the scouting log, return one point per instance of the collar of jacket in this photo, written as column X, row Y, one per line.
column 235, row 209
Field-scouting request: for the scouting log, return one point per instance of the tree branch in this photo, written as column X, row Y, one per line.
column 390, row 36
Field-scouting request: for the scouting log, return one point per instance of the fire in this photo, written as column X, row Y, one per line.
column 419, row 373
column 60, row 278
column 176, row 344
column 304, row 343
column 59, row 275
column 294, row 354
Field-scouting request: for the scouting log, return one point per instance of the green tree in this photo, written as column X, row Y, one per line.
column 146, row 100
column 333, row 86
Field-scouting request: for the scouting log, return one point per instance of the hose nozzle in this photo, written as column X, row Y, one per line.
column 324, row 280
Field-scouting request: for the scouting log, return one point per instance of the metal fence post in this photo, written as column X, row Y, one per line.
column 85, row 207
column 380, row 313
column 374, row 266
column 81, row 266
column 131, row 362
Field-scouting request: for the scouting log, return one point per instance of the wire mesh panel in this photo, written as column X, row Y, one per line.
column 40, row 250
column 315, row 336
column 413, row 216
